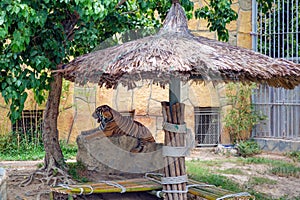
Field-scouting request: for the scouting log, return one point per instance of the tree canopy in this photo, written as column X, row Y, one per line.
column 36, row 36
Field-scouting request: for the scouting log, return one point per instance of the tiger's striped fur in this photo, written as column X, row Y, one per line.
column 112, row 123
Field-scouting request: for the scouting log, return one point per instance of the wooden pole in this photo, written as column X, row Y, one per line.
column 169, row 161
column 176, row 165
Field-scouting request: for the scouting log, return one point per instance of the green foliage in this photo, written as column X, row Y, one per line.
column 197, row 172
column 17, row 146
column 218, row 13
column 256, row 180
column 36, row 37
column 242, row 116
column 278, row 167
column 69, row 150
column 248, row 148
column 286, row 170
column 231, row 171
column 261, row 160
column 295, row 155
column 77, row 171
column 203, row 172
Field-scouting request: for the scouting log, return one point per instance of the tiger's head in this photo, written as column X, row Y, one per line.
column 104, row 115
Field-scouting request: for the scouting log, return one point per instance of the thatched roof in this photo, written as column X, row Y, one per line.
column 175, row 51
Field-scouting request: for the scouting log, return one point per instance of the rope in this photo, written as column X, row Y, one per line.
column 187, row 188
column 65, row 186
column 176, row 191
column 112, row 183
column 158, row 194
column 199, row 185
column 81, row 188
column 241, row 194
column 92, row 189
column 175, row 128
column 174, row 180
column 174, row 151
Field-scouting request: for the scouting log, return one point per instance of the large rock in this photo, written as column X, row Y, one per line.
column 111, row 155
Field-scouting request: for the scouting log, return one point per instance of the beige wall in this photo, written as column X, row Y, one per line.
column 239, row 30
column 78, row 104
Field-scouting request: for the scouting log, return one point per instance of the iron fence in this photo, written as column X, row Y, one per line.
column 276, row 34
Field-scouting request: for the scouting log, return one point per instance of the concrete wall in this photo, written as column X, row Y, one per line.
column 278, row 145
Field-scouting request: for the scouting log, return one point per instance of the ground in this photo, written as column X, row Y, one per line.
column 289, row 186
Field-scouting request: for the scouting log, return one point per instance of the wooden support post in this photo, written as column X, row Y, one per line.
column 175, row 166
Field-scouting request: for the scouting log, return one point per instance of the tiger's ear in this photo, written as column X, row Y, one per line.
column 106, row 112
column 105, row 108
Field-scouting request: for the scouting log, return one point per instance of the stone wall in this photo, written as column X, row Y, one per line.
column 146, row 101
column 239, row 30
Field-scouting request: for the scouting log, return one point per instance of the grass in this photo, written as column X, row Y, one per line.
column 77, row 171
column 28, row 153
column 277, row 167
column 255, row 180
column 234, row 171
column 202, row 174
column 286, row 170
column 260, row 160
column 202, row 171
column 295, row 155
column 13, row 147
column 199, row 172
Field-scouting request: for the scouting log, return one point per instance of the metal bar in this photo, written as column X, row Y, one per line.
column 270, row 35
column 297, row 30
column 260, row 32
column 293, row 28
column 274, row 25
column 265, row 36
column 288, row 28
column 283, row 25
column 278, row 128
column 254, row 25
column 278, row 29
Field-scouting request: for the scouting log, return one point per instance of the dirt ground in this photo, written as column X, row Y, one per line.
column 289, row 186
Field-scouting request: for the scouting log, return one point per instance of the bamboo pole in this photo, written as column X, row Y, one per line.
column 178, row 118
column 169, row 168
column 177, row 167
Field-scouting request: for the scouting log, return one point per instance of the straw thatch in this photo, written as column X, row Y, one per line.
column 175, row 51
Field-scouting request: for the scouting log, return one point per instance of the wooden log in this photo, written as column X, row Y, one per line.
column 167, row 160
column 178, row 118
column 175, row 113
column 176, row 166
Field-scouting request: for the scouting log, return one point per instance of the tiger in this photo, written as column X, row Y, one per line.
column 112, row 123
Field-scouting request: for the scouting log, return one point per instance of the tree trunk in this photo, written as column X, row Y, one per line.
column 54, row 156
